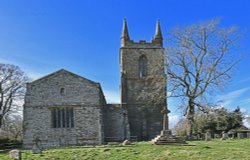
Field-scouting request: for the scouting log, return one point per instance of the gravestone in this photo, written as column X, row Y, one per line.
column 240, row 135
column 231, row 134
column 208, row 136
column 224, row 135
column 15, row 154
column 126, row 142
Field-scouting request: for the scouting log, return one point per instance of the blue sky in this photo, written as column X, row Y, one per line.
column 42, row 36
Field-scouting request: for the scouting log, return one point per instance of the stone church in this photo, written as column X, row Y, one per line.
column 63, row 108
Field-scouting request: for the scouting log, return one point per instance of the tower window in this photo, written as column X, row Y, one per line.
column 143, row 66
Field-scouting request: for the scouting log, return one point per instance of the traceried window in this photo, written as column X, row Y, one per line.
column 62, row 117
column 143, row 66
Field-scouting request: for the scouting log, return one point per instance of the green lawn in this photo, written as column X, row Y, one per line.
column 216, row 149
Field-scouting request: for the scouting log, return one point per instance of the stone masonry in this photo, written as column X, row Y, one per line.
column 143, row 96
column 116, row 127
column 84, row 96
column 64, row 109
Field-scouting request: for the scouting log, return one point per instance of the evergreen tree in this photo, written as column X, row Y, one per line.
column 216, row 121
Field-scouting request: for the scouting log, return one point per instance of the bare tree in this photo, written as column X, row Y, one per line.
column 12, row 88
column 199, row 59
column 180, row 127
column 14, row 126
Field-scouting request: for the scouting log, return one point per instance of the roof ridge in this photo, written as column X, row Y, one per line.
column 62, row 70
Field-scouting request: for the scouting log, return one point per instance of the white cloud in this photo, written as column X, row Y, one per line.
column 246, row 124
column 173, row 119
column 169, row 94
column 231, row 97
column 112, row 96
column 245, row 111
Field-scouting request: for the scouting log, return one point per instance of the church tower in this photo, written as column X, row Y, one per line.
column 143, row 83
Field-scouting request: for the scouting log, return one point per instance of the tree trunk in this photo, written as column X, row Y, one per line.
column 190, row 119
column 190, row 124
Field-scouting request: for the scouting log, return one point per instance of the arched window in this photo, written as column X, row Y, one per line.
column 143, row 66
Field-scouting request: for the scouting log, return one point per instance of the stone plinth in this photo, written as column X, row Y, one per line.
column 166, row 137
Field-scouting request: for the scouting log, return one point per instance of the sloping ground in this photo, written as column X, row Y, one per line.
column 216, row 149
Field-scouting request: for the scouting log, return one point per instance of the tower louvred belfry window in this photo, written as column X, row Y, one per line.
column 143, row 66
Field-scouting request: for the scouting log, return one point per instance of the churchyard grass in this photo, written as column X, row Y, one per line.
column 196, row 150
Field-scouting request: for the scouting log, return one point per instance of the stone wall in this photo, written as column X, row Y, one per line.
column 84, row 96
column 115, row 123
column 144, row 123
column 46, row 91
column 129, row 61
column 38, row 123
column 144, row 97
